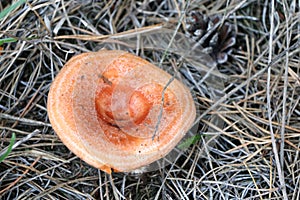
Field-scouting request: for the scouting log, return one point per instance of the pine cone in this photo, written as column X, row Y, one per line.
column 217, row 39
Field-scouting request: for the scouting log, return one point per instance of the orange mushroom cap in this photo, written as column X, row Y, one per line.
column 114, row 111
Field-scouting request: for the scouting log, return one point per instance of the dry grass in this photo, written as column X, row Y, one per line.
column 254, row 155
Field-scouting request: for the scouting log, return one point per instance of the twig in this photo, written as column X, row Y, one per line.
column 20, row 177
column 274, row 145
column 35, row 132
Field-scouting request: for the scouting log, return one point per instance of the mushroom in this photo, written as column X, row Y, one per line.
column 118, row 112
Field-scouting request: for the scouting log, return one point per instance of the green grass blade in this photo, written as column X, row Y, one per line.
column 12, row 141
column 7, row 10
column 7, row 40
column 189, row 141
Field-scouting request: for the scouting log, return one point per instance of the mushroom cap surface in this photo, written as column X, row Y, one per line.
column 116, row 111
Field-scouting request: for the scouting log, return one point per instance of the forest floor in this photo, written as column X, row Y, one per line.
column 245, row 80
